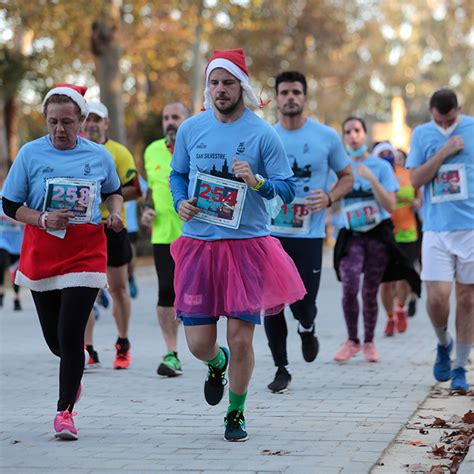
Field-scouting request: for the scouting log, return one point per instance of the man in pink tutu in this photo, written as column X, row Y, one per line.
column 229, row 169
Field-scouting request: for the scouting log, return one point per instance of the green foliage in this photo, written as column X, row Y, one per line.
column 357, row 55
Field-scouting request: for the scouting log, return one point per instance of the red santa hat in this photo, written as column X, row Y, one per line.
column 233, row 61
column 75, row 93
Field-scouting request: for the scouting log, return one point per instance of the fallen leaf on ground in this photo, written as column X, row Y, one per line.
column 439, row 451
column 468, row 417
column 269, row 452
column 438, row 422
column 438, row 469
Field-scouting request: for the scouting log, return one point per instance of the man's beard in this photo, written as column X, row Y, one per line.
column 170, row 133
column 231, row 108
column 292, row 112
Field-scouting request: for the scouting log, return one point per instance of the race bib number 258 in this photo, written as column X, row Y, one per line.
column 75, row 195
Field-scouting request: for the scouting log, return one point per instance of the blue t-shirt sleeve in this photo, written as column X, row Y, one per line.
column 415, row 156
column 387, row 178
column 275, row 161
column 16, row 184
column 180, row 160
column 338, row 158
column 112, row 181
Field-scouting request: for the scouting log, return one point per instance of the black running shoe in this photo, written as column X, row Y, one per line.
column 17, row 305
column 1, row 300
column 309, row 345
column 412, row 307
column 216, row 381
column 281, row 381
column 234, row 424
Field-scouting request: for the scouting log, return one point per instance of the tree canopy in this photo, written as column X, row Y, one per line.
column 357, row 55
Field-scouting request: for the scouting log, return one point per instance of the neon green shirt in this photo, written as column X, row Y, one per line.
column 166, row 227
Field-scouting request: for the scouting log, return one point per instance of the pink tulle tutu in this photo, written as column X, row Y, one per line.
column 233, row 277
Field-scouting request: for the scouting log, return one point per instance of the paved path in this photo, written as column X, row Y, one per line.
column 334, row 419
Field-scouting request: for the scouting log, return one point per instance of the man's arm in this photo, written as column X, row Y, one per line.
column 427, row 171
column 131, row 190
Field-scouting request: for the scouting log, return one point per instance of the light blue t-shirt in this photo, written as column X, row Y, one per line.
column 362, row 189
column 313, row 151
column 11, row 233
column 455, row 180
column 131, row 209
column 39, row 160
column 204, row 144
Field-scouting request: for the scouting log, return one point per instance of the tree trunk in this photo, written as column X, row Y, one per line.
column 198, row 71
column 11, row 127
column 106, row 48
column 3, row 141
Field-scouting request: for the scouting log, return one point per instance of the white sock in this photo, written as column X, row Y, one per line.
column 462, row 354
column 443, row 335
column 302, row 329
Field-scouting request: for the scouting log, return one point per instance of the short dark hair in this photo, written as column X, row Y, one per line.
column 444, row 101
column 291, row 76
column 348, row 119
column 61, row 99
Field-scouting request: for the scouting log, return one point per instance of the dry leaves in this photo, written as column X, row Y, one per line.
column 468, row 417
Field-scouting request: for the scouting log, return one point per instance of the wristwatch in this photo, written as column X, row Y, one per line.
column 260, row 182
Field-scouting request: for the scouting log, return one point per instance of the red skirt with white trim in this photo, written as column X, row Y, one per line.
column 50, row 263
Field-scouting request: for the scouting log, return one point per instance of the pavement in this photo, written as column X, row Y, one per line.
column 334, row 419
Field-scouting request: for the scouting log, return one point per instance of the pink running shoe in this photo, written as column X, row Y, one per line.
column 402, row 320
column 64, row 425
column 348, row 350
column 370, row 353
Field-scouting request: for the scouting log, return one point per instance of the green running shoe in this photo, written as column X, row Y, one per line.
column 234, row 424
column 171, row 366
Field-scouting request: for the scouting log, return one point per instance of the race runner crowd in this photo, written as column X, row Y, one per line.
column 238, row 211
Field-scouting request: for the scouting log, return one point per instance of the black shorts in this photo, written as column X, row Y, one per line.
column 133, row 237
column 411, row 250
column 164, row 265
column 119, row 250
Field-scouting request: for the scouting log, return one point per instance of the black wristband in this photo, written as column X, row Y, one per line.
column 330, row 200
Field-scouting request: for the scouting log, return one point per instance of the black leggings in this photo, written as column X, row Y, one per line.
column 164, row 265
column 63, row 316
column 307, row 255
column 7, row 259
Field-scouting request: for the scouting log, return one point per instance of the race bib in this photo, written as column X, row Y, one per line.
column 75, row 195
column 362, row 216
column 221, row 200
column 293, row 219
column 449, row 184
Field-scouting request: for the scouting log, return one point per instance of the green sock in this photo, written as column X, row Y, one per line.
column 236, row 401
column 219, row 361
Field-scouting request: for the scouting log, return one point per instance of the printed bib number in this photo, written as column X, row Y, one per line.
column 293, row 218
column 75, row 195
column 449, row 184
column 362, row 216
column 221, row 200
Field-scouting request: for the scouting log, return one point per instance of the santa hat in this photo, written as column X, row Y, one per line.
column 75, row 93
column 233, row 61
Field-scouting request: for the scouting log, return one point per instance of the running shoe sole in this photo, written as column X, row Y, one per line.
column 167, row 371
column 241, row 440
column 66, row 435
